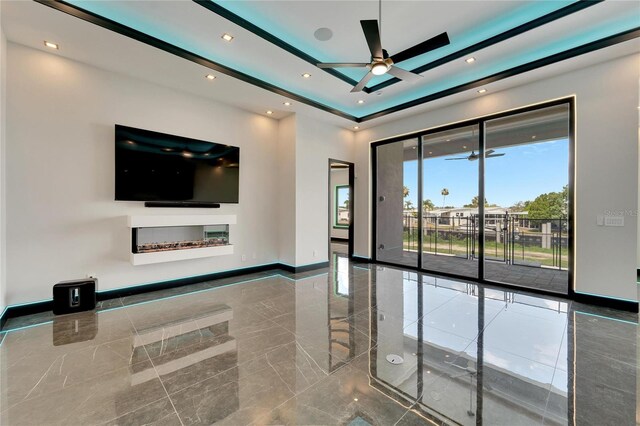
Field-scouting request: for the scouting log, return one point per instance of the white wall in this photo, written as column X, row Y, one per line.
column 3, row 226
column 606, row 164
column 286, row 172
column 339, row 177
column 316, row 143
column 62, row 221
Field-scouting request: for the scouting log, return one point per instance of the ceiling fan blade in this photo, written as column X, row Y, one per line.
column 358, row 87
column 489, row 152
column 404, row 74
column 457, row 158
column 372, row 34
column 341, row 65
column 494, row 155
column 424, row 47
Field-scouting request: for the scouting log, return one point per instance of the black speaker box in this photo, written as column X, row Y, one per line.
column 74, row 296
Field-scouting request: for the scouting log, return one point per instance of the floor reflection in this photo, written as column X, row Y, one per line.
column 315, row 348
column 476, row 355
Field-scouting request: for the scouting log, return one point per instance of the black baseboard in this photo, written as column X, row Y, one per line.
column 305, row 268
column 47, row 305
column 361, row 259
column 26, row 309
column 339, row 240
column 606, row 302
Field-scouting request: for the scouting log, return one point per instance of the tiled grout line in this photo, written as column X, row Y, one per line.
column 309, row 388
column 564, row 335
column 475, row 339
column 235, row 366
column 156, row 371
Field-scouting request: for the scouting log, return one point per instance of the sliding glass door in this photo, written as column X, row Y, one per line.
column 450, row 201
column 486, row 199
column 526, row 199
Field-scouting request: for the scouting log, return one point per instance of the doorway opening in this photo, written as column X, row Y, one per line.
column 341, row 203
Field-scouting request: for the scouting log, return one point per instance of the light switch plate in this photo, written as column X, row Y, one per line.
column 614, row 221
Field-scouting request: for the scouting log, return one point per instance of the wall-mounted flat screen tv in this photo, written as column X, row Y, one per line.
column 152, row 166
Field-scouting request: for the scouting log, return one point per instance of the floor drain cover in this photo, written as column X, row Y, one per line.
column 395, row 359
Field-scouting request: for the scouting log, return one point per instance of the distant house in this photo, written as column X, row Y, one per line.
column 343, row 216
column 461, row 216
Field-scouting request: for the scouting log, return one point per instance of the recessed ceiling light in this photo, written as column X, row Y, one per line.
column 355, row 399
column 448, row 140
column 356, row 127
column 360, row 101
column 533, row 137
column 167, row 149
column 470, row 60
column 227, row 37
column 464, row 147
column 269, row 112
column 482, row 90
column 210, row 76
column 430, row 152
column 187, row 154
column 287, row 104
column 306, row 75
column 51, row 45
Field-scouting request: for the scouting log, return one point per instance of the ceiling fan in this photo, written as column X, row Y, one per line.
column 473, row 156
column 381, row 63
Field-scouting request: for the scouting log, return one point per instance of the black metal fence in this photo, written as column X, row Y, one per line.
column 512, row 239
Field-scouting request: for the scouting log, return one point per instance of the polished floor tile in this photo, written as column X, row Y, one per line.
column 350, row 344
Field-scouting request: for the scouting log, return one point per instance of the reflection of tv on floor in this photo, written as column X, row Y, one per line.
column 166, row 170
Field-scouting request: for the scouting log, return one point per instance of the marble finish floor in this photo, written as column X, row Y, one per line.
column 316, row 348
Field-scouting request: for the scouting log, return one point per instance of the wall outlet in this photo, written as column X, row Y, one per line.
column 244, row 257
column 315, row 253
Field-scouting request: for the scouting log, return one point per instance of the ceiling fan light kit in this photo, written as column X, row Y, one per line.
column 381, row 63
column 379, row 68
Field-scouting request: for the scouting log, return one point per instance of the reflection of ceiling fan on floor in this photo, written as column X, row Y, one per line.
column 473, row 156
column 381, row 62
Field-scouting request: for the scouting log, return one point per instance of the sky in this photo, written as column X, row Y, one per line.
column 523, row 173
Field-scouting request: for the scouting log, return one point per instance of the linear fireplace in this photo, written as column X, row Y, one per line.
column 157, row 239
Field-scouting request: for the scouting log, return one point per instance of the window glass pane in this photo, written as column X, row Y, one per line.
column 526, row 199
column 450, row 201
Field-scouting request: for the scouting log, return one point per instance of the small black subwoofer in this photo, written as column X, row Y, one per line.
column 74, row 296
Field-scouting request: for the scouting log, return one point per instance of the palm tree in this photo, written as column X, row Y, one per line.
column 408, row 205
column 346, row 204
column 427, row 205
column 405, row 192
column 444, row 194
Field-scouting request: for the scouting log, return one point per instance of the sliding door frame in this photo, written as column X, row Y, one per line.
column 480, row 122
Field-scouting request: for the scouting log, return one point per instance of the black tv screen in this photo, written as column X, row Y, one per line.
column 152, row 166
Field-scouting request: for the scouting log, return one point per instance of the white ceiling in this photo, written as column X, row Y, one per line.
column 191, row 26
